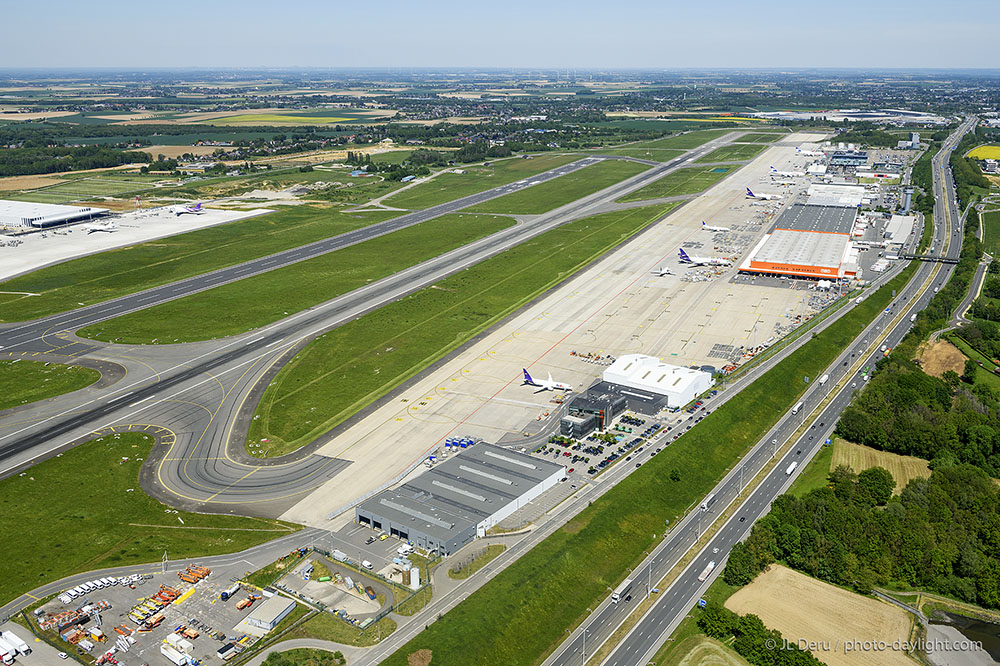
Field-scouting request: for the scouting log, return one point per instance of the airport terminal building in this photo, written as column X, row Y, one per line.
column 451, row 504
column 29, row 215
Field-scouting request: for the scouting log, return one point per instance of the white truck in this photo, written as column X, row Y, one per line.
column 706, row 572
column 7, row 652
column 791, row 468
column 19, row 645
column 623, row 591
column 913, row 317
column 824, row 379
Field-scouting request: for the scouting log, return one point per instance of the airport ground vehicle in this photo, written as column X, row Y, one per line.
column 230, row 592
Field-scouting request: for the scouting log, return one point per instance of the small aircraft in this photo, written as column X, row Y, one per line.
column 786, row 174
column 545, row 384
column 708, row 227
column 194, row 209
column 660, row 272
column 762, row 197
column 702, row 261
column 99, row 226
column 809, row 153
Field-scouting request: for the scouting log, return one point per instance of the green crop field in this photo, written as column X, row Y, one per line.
column 991, row 233
column 733, row 152
column 449, row 186
column 258, row 300
column 760, row 137
column 385, row 347
column 573, row 569
column 559, row 191
column 683, row 181
column 114, row 273
column 23, row 381
column 89, row 513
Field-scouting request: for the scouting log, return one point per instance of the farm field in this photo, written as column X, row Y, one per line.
column 450, row 185
column 103, row 518
column 274, row 118
column 991, row 233
column 258, row 300
column 733, row 152
column 683, row 181
column 23, row 381
column 550, row 195
column 801, row 607
column 860, row 458
column 114, row 273
column 990, row 152
column 308, row 396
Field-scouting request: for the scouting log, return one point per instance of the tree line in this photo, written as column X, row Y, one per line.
column 28, row 161
column 752, row 640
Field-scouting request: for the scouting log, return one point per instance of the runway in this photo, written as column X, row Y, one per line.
column 197, row 391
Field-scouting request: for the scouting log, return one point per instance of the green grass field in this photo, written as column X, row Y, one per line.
column 256, row 301
column 114, row 273
column 559, row 191
column 991, row 233
column 324, row 626
column 683, row 181
column 685, row 141
column 448, row 186
column 385, row 347
column 760, row 137
column 23, row 381
column 815, row 473
column 90, row 513
column 733, row 152
column 560, row 578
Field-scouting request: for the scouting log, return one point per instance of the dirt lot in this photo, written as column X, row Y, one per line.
column 804, row 608
column 31, row 182
column 859, row 458
column 941, row 356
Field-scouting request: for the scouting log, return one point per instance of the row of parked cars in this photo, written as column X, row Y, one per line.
column 97, row 584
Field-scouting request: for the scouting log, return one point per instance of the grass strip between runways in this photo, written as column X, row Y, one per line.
column 353, row 365
column 23, row 381
column 258, row 300
column 524, row 613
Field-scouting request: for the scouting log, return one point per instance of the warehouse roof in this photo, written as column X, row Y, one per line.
column 651, row 374
column 271, row 609
column 42, row 214
column 803, row 249
column 828, row 194
column 462, row 490
column 826, row 219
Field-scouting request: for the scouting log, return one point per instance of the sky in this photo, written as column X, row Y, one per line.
column 662, row 34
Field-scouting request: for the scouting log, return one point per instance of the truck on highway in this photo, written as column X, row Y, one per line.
column 706, row 572
column 624, row 590
column 709, row 501
column 913, row 317
column 824, row 379
column 796, row 408
column 791, row 468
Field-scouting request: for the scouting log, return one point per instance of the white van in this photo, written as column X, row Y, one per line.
column 367, row 565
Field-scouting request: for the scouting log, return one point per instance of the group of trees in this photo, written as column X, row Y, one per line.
column 753, row 641
column 983, row 334
column 26, row 161
column 940, row 533
column 966, row 171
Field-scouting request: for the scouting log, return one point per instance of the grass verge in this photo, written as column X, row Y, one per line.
column 474, row 179
column 23, row 381
column 682, row 181
column 559, row 191
column 384, row 348
column 815, row 473
column 127, row 270
column 733, row 152
column 688, row 636
column 463, row 570
column 256, row 301
column 416, row 602
column 991, row 233
column 93, row 514
column 325, row 627
column 305, row 657
column 575, row 567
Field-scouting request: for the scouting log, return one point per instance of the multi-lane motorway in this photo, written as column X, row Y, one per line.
column 201, row 391
column 673, row 604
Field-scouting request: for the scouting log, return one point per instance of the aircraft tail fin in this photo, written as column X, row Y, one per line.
column 527, row 377
column 683, row 255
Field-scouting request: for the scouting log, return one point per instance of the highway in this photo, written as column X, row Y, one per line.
column 200, row 394
column 673, row 604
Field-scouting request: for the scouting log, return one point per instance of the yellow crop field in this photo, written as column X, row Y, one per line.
column 276, row 119
column 985, row 153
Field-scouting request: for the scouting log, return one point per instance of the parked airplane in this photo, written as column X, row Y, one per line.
column 194, row 209
column 545, row 385
column 809, row 153
column 99, row 226
column 786, row 174
column 702, row 261
column 708, row 227
column 762, row 197
column 660, row 272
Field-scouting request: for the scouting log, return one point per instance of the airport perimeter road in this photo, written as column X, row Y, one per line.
column 199, row 390
column 845, row 378
column 645, row 638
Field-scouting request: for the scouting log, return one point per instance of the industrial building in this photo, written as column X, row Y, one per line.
column 811, row 241
column 461, row 498
column 28, row 215
column 271, row 612
column 592, row 410
column 648, row 374
column 898, row 229
column 843, row 196
column 849, row 158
